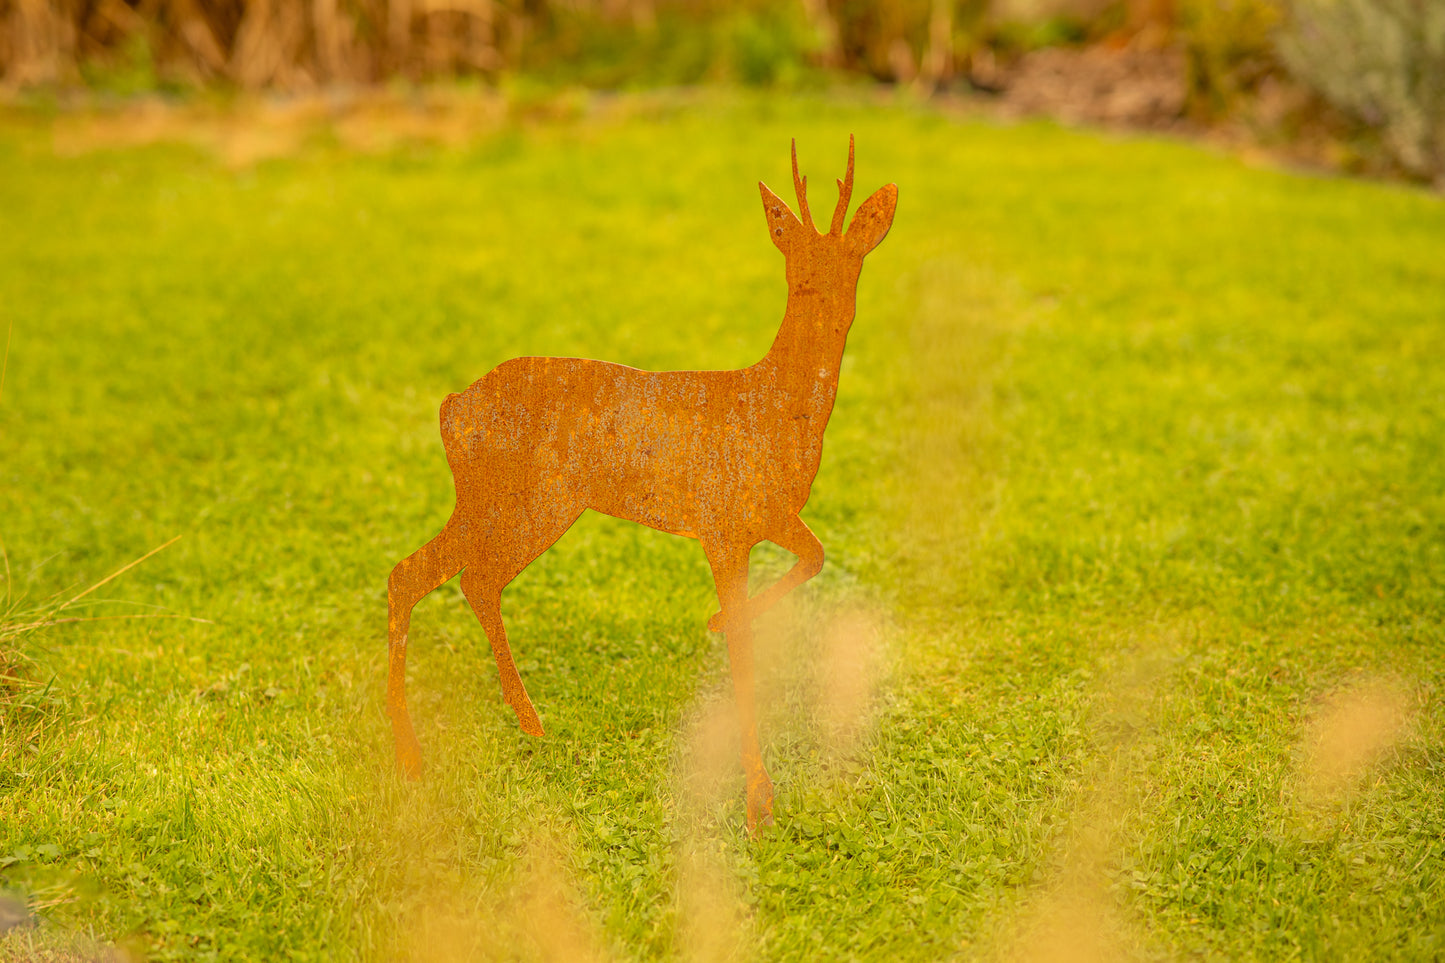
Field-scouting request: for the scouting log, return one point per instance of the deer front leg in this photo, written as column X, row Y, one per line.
column 796, row 537
column 730, row 573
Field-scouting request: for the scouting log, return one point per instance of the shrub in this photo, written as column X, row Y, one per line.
column 1382, row 61
column 1229, row 47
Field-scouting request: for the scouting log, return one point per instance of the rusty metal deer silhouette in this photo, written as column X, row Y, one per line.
column 725, row 457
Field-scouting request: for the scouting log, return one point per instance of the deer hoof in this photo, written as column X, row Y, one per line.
column 408, row 760
column 527, row 719
column 408, row 750
column 760, row 806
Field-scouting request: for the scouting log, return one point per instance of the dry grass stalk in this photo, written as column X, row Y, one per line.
column 1073, row 917
column 19, row 688
column 542, row 918
column 850, row 663
column 297, row 45
column 40, row 42
column 255, row 129
column 712, row 921
column 258, row 44
column 1351, row 733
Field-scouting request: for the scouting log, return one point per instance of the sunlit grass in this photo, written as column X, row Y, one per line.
column 1133, row 492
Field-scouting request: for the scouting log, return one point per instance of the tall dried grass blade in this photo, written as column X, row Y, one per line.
column 16, row 628
column 4, row 555
column 16, row 663
column 117, row 573
column 5, row 366
column 195, row 30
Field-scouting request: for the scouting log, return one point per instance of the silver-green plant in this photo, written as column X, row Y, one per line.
column 1383, row 61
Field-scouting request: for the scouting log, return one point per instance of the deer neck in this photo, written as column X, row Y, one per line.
column 808, row 351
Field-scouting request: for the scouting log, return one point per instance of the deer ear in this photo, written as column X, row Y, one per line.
column 872, row 221
column 783, row 224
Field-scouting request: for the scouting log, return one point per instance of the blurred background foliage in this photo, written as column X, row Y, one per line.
column 1367, row 75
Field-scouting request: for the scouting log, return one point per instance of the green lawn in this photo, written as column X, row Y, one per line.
column 1128, row 642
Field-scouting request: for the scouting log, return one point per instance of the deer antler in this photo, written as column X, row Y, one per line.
column 800, row 185
column 845, row 193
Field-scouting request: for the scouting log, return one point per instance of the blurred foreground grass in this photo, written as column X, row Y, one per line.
column 1128, row 644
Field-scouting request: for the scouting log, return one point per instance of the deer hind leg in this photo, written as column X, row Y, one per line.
column 411, row 581
column 793, row 536
column 500, row 556
column 730, row 573
column 485, row 598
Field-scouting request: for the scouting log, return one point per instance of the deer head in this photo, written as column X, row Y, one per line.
column 809, row 252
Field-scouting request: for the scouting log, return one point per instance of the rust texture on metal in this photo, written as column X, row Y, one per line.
column 725, row 457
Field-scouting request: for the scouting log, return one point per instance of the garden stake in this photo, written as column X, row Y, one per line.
column 725, row 457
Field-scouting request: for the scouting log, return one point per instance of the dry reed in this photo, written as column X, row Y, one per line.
column 299, row 45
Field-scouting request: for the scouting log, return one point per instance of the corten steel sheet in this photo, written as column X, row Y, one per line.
column 725, row 457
